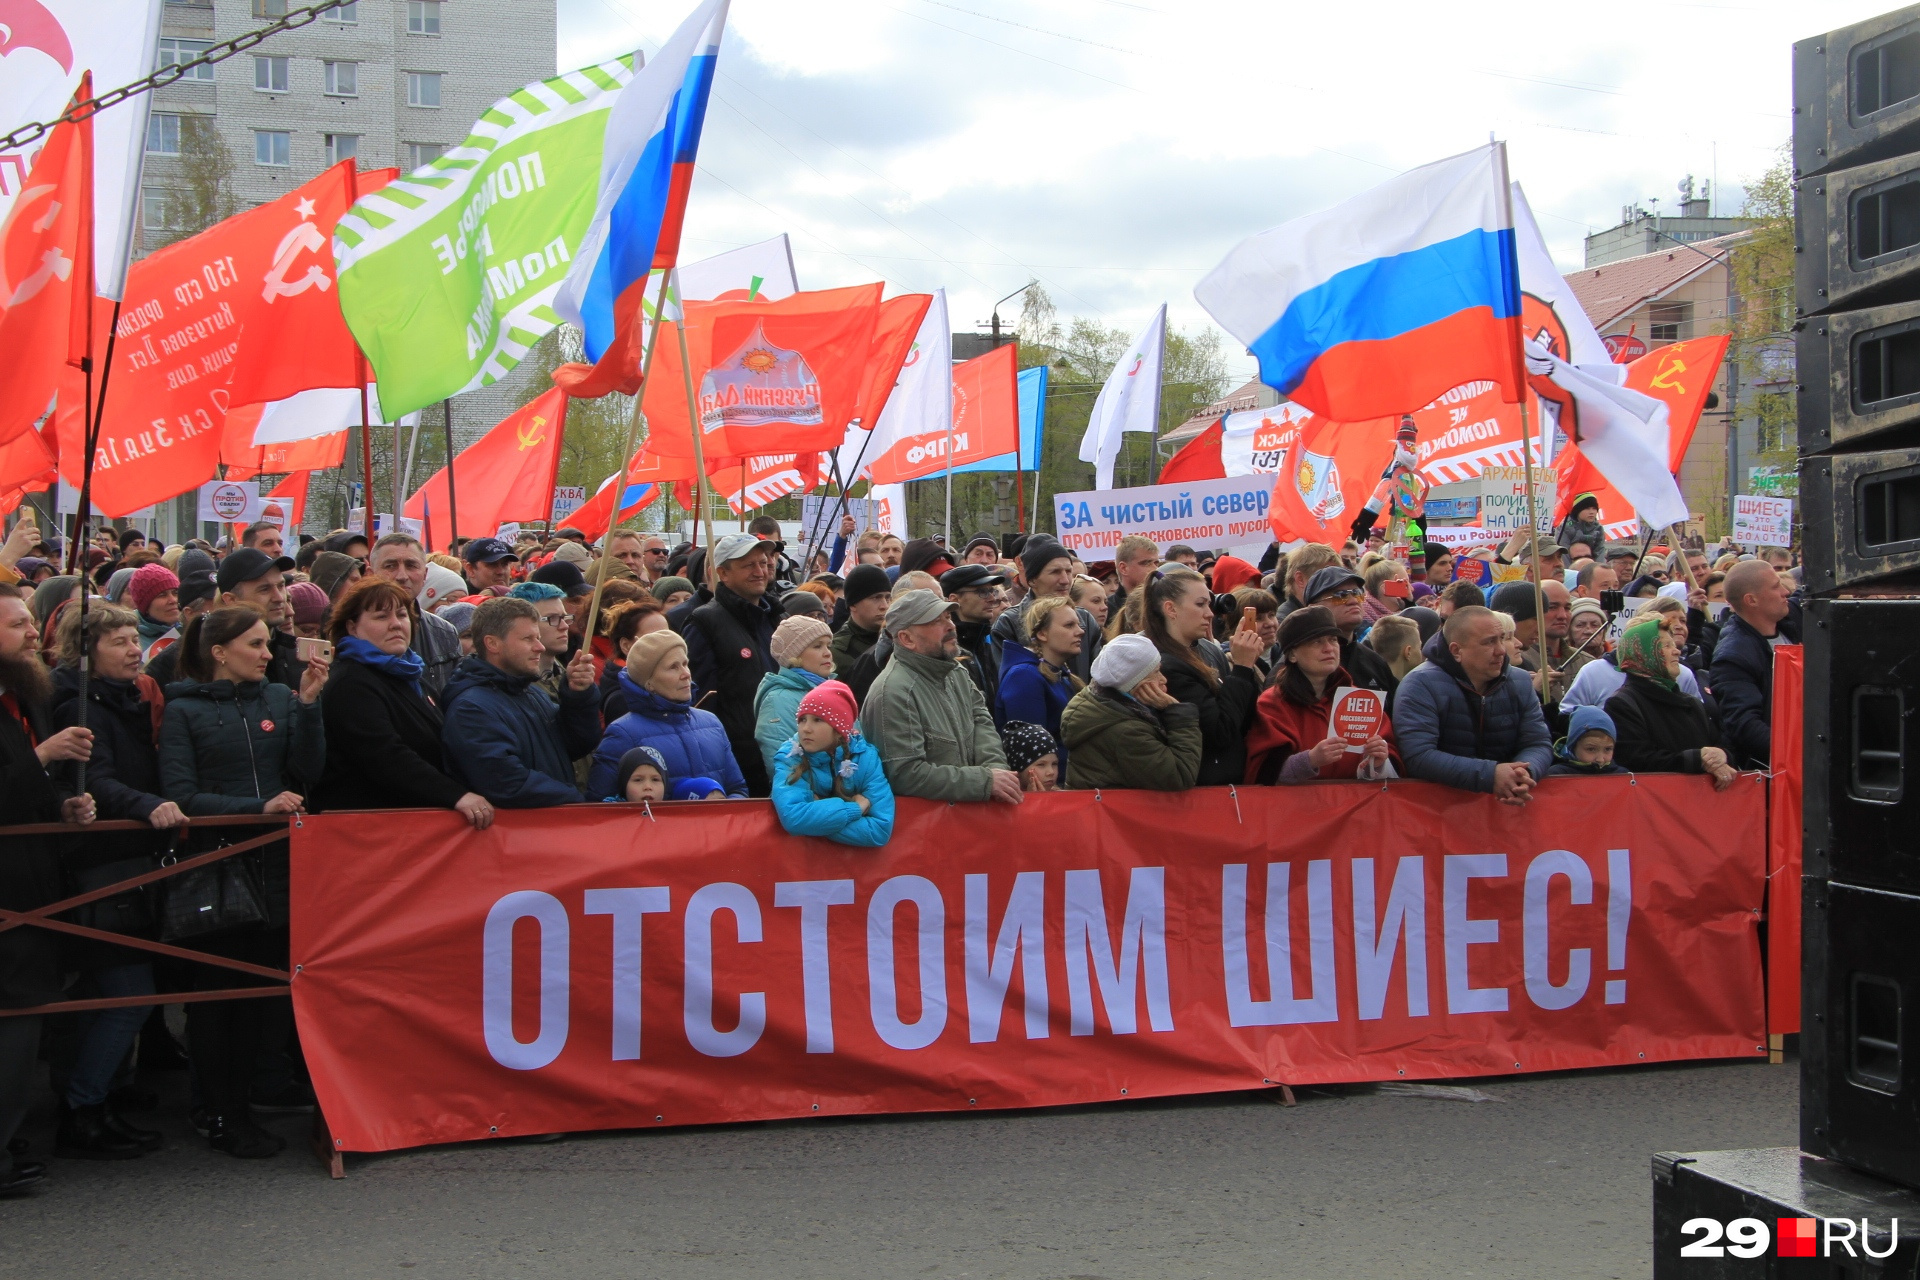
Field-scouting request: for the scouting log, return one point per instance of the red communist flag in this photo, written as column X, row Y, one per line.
column 986, row 422
column 26, row 466
column 506, row 474
column 1197, row 459
column 1682, row 374
column 46, row 266
column 769, row 377
column 292, row 493
column 293, row 335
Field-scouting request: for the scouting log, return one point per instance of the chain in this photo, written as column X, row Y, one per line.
column 27, row 134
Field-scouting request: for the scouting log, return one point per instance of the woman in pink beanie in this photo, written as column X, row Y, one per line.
column 827, row 779
column 154, row 593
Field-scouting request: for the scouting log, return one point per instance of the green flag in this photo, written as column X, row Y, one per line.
column 447, row 276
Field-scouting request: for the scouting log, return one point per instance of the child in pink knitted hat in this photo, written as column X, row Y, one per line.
column 827, row 779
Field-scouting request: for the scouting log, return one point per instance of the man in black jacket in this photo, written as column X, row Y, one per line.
column 979, row 595
column 29, row 868
column 729, row 645
column 1742, row 674
column 1344, row 592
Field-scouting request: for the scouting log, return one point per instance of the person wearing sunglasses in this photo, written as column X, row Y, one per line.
column 1343, row 593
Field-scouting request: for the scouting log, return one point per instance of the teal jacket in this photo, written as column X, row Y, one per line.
column 776, row 708
column 808, row 807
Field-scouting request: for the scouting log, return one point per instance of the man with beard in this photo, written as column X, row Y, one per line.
column 29, row 867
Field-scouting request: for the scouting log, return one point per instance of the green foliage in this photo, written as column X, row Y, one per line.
column 205, row 196
column 1762, row 314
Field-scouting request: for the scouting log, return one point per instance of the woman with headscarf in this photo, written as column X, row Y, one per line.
column 1292, row 738
column 49, row 598
column 1660, row 728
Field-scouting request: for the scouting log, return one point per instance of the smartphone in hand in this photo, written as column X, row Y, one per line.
column 307, row 648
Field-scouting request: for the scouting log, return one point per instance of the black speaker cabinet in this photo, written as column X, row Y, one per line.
column 1860, row 1029
column 1859, row 378
column 1858, row 234
column 1860, row 517
column 1861, row 809
column 1856, row 93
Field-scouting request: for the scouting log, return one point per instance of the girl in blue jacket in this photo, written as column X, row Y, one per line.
column 827, row 780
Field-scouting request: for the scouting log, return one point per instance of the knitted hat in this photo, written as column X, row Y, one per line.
column 535, row 592
column 1515, row 599
column 309, row 604
column 1593, row 607
column 194, row 561
column 1585, row 720
column 791, row 638
column 1026, row 743
column 459, row 613
column 117, row 584
column 803, row 604
column 864, row 581
column 1303, row 625
column 443, row 584
column 633, row 759
column 150, row 582
column 664, row 587
column 833, row 702
column 1125, row 661
column 694, row 789
column 649, row 651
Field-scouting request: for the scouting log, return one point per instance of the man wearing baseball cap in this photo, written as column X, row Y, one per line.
column 925, row 715
column 250, row 576
column 730, row 644
column 490, row 565
column 978, row 593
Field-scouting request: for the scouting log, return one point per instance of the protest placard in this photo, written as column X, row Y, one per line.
column 1228, row 514
column 230, row 501
column 1762, row 520
column 1357, row 717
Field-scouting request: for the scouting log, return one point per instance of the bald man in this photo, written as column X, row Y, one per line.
column 1762, row 617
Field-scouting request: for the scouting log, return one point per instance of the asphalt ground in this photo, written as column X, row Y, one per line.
column 1547, row 1178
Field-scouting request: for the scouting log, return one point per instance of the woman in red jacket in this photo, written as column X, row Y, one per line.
column 1291, row 740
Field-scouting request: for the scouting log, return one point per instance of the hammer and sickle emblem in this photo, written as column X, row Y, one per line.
column 303, row 238
column 1665, row 378
column 529, row 433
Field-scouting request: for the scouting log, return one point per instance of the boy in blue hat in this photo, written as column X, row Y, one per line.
column 1588, row 747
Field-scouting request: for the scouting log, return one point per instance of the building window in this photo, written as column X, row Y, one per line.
column 271, row 74
column 174, row 52
column 343, row 79
column 163, row 134
column 269, row 8
column 156, row 209
column 423, row 17
column 342, row 146
column 423, row 88
column 423, row 153
column 1670, row 321
column 273, row 148
column 348, row 13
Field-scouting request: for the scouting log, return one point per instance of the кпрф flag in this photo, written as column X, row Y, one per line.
column 1130, row 400
column 646, row 169
column 1378, row 305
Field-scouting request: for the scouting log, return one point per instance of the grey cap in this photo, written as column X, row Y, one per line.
column 733, row 546
column 911, row 608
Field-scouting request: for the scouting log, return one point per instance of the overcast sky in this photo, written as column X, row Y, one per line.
column 1117, row 149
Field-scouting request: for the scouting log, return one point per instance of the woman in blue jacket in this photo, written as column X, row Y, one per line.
column 658, row 684
column 1037, row 682
column 804, row 649
column 827, row 780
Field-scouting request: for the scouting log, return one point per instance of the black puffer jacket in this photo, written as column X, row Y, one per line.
column 1225, row 707
column 730, row 648
column 1659, row 730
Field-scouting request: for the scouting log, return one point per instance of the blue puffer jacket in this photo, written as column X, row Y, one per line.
column 1742, row 683
column 1451, row 735
column 693, row 742
column 505, row 739
column 1026, row 693
column 776, row 708
column 808, row 807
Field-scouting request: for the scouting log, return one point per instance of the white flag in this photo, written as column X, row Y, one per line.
column 922, row 398
column 755, row 272
column 45, row 45
column 1541, row 280
column 1129, row 402
column 319, row 411
column 889, row 508
column 1622, row 432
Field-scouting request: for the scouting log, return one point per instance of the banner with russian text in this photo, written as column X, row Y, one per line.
column 1230, row 513
column 606, row 966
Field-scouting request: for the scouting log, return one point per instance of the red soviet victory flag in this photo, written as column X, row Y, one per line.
column 986, row 422
column 46, row 266
column 292, row 335
column 507, row 474
column 770, row 377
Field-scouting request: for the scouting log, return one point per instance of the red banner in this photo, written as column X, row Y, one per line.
column 605, row 967
column 1783, row 841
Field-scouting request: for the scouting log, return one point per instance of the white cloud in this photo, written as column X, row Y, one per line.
column 1117, row 150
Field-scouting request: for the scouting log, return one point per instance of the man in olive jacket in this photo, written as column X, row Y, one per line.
column 925, row 716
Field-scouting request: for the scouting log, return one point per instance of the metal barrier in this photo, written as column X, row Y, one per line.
column 42, row 917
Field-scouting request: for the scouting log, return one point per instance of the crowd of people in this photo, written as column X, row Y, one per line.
column 164, row 685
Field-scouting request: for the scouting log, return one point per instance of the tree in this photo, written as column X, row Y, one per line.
column 1761, row 312
column 205, row 194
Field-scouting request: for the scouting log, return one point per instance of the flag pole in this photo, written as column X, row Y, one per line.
column 626, row 452
column 453, row 508
column 693, row 425
column 368, row 496
column 1159, row 393
column 1526, row 427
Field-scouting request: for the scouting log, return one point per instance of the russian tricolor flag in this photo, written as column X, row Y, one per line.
column 653, row 131
column 1379, row 305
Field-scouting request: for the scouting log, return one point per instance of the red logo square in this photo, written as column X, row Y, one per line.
column 1799, row 1237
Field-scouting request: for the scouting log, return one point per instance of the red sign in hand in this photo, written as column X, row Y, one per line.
column 1358, row 716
